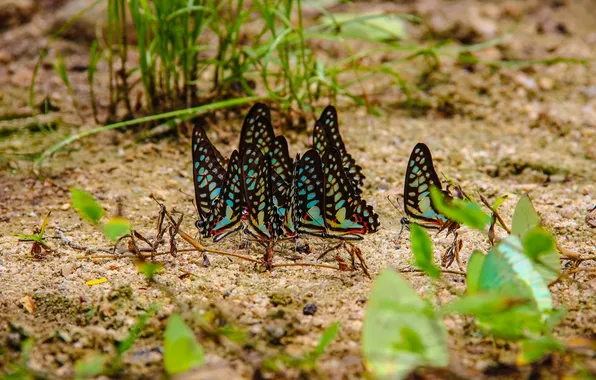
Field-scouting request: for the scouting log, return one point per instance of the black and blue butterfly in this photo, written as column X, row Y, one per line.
column 328, row 206
column 418, row 205
column 326, row 134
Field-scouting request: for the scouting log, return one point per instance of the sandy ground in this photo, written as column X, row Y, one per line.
column 504, row 131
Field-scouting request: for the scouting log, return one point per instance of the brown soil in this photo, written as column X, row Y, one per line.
column 495, row 131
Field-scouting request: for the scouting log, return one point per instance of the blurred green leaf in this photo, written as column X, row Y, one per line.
column 328, row 335
column 133, row 333
column 310, row 360
column 464, row 212
column 86, row 205
column 182, row 352
column 401, row 331
column 541, row 248
column 475, row 265
column 482, row 303
column 532, row 350
column 149, row 269
column 509, row 272
column 512, row 324
column 538, row 242
column 525, row 217
column 422, row 247
column 370, row 27
column 499, row 201
column 116, row 227
column 90, row 366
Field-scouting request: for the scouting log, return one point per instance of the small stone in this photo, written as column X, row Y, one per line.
column 525, row 81
column 309, row 309
column 66, row 269
column 546, row 83
column 65, row 207
column 28, row 304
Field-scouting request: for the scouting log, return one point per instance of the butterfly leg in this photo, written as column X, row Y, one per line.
column 268, row 258
column 355, row 251
column 335, row 247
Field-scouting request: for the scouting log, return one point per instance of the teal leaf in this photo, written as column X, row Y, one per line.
column 116, row 227
column 462, row 211
column 86, row 205
column 370, row 27
column 422, row 247
column 182, row 352
column 475, row 265
column 509, row 272
column 525, row 217
column 401, row 331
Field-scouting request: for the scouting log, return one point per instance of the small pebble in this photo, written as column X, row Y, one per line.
column 65, row 207
column 66, row 269
column 309, row 309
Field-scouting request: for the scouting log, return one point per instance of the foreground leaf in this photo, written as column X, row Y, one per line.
column 401, row 331
column 475, row 265
column 464, row 212
column 525, row 217
column 90, row 367
column 181, row 350
column 509, row 272
column 86, row 205
column 532, row 350
column 422, row 247
column 540, row 247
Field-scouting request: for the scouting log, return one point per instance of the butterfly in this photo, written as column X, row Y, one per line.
column 328, row 206
column 262, row 218
column 229, row 208
column 420, row 177
column 325, row 135
column 347, row 216
column 208, row 175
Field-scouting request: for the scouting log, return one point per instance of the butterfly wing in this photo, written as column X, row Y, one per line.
column 228, row 207
column 208, row 178
column 199, row 136
column 280, row 159
column 326, row 134
column 420, row 177
column 310, row 197
column 346, row 215
column 262, row 218
column 257, row 129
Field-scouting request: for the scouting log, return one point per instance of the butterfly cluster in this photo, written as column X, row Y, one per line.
column 260, row 190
